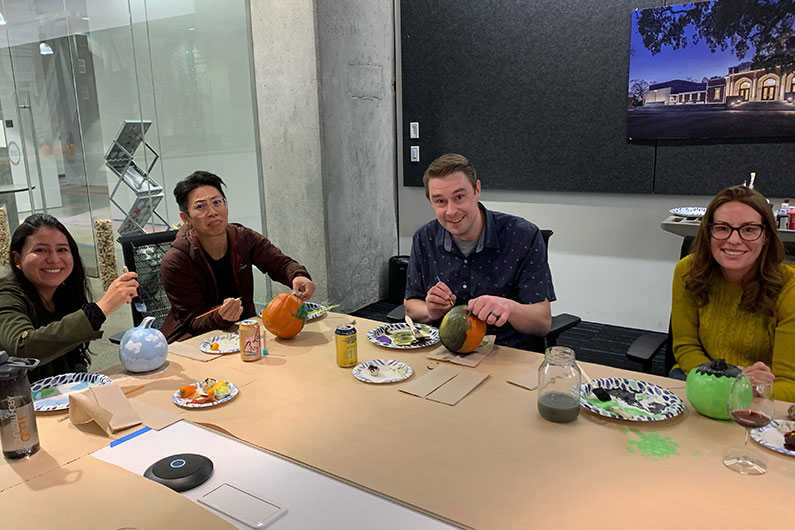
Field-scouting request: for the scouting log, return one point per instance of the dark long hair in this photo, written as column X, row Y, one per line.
column 762, row 287
column 73, row 293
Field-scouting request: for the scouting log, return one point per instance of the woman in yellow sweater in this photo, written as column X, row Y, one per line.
column 734, row 297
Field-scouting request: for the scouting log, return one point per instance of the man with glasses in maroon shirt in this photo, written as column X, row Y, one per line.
column 494, row 263
column 210, row 263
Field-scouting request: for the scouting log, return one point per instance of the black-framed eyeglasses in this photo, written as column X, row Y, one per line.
column 202, row 208
column 747, row 232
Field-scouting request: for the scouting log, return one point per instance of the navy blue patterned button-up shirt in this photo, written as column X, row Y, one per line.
column 510, row 261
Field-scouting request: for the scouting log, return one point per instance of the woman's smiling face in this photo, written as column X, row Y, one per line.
column 736, row 256
column 46, row 260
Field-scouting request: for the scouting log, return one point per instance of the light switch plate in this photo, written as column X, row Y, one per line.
column 415, row 153
column 414, row 129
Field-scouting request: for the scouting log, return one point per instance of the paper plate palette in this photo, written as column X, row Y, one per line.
column 636, row 400
column 312, row 306
column 228, row 343
column 688, row 211
column 772, row 435
column 387, row 371
column 399, row 336
column 52, row 393
column 183, row 402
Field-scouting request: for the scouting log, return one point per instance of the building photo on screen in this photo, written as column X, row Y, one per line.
column 712, row 70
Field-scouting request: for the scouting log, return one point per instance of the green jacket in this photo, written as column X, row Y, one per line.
column 55, row 343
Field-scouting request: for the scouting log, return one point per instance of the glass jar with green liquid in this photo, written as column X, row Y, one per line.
column 559, row 386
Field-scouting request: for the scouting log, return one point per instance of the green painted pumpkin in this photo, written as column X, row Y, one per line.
column 284, row 316
column 461, row 331
column 708, row 386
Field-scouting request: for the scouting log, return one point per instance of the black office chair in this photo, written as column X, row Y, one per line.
column 560, row 323
column 143, row 254
column 646, row 347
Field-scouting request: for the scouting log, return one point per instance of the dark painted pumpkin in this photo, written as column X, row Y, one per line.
column 461, row 331
column 284, row 316
column 708, row 386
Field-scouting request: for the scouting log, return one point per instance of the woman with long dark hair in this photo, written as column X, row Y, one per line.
column 45, row 303
column 734, row 297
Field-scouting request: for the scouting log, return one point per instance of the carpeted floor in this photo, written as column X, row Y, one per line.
column 592, row 342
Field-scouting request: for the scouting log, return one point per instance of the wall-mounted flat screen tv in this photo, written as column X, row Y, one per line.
column 712, row 70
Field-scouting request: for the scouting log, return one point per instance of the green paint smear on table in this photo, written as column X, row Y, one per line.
column 651, row 445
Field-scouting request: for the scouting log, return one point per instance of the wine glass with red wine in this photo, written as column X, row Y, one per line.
column 751, row 406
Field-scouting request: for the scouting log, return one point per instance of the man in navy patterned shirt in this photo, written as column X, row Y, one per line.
column 493, row 262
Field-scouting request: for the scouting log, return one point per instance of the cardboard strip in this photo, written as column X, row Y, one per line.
column 457, row 388
column 527, row 380
column 431, row 381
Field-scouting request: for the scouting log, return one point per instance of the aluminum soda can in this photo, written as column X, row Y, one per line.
column 347, row 353
column 250, row 337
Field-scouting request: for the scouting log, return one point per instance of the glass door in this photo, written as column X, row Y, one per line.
column 42, row 122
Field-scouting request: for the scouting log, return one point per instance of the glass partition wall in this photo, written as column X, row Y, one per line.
column 73, row 72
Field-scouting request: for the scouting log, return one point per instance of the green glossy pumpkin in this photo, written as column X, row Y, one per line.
column 708, row 386
column 461, row 331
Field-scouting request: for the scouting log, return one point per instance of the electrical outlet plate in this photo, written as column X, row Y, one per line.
column 415, row 153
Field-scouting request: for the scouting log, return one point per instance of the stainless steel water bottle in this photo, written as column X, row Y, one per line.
column 18, row 433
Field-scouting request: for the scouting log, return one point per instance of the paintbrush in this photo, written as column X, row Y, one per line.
column 599, row 392
column 321, row 310
column 449, row 299
column 216, row 308
column 604, row 395
column 137, row 301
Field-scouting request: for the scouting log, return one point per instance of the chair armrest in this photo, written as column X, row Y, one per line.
column 397, row 315
column 646, row 347
column 561, row 323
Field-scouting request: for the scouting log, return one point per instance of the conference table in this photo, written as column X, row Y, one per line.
column 489, row 461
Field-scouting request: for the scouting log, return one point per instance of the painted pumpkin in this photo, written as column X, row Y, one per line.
column 461, row 331
column 708, row 386
column 284, row 316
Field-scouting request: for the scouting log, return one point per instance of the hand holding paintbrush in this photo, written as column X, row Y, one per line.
column 439, row 300
column 230, row 310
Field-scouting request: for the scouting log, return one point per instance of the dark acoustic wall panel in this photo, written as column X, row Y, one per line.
column 534, row 93
column 706, row 169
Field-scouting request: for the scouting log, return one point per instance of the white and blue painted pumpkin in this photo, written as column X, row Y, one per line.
column 143, row 348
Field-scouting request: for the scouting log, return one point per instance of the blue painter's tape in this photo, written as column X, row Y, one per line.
column 130, row 436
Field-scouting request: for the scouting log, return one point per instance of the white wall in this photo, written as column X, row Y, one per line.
column 610, row 260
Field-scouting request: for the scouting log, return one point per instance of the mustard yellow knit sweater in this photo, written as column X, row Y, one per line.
column 722, row 330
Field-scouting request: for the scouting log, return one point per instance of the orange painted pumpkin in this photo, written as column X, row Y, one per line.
column 461, row 331
column 284, row 316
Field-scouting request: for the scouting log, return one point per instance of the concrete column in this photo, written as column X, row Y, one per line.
column 325, row 101
column 356, row 68
column 285, row 68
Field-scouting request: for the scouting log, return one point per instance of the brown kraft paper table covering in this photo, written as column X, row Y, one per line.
column 490, row 461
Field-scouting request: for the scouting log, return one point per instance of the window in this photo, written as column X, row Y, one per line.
column 81, row 66
column 718, row 95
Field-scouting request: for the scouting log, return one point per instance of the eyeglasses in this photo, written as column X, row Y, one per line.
column 747, row 232
column 202, row 208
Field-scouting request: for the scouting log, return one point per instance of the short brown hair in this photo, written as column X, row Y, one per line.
column 447, row 165
column 761, row 290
